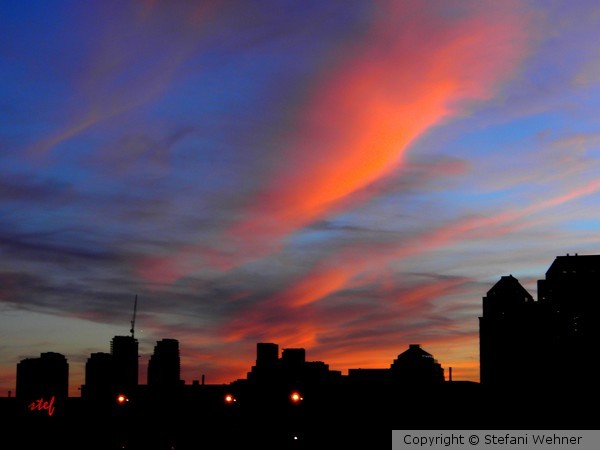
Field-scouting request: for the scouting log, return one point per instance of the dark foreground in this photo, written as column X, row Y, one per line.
column 328, row 419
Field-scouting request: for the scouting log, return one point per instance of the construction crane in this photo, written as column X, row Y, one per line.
column 133, row 318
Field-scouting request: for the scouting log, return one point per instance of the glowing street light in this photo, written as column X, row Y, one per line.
column 122, row 399
column 230, row 399
column 295, row 397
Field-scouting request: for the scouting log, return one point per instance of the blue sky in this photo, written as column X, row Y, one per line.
column 349, row 177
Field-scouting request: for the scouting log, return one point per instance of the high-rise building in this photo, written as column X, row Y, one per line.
column 546, row 343
column 124, row 351
column 99, row 377
column 164, row 366
column 267, row 354
column 571, row 294
column 512, row 331
column 43, row 383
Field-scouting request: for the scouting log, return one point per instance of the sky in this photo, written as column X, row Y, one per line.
column 349, row 177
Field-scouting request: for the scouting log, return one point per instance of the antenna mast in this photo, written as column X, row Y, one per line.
column 133, row 319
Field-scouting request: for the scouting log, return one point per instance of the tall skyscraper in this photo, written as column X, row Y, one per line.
column 124, row 351
column 571, row 294
column 164, row 365
column 99, row 377
column 548, row 343
column 43, row 383
column 510, row 335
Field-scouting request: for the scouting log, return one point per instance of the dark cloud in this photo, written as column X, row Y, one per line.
column 28, row 188
column 344, row 176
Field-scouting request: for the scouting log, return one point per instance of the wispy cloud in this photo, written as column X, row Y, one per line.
column 363, row 113
column 350, row 176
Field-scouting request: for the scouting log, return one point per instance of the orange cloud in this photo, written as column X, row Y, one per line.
column 409, row 73
column 289, row 329
column 294, row 318
column 315, row 286
column 297, row 317
column 365, row 113
column 338, row 272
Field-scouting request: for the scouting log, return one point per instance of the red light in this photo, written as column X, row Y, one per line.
column 121, row 399
column 295, row 397
column 229, row 399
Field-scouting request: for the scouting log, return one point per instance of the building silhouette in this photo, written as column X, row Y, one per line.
column 291, row 367
column 110, row 374
column 124, row 351
column 267, row 355
column 512, row 332
column 570, row 293
column 100, row 375
column 537, row 363
column 416, row 366
column 43, row 383
column 548, row 342
column 164, row 366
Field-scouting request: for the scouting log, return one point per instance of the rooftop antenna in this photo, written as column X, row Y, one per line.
column 133, row 318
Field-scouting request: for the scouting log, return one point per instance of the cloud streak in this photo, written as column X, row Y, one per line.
column 350, row 177
column 364, row 113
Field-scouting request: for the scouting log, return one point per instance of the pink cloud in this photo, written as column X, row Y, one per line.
column 414, row 69
column 293, row 317
column 402, row 80
column 302, row 314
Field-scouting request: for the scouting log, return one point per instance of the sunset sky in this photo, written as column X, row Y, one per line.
column 349, row 177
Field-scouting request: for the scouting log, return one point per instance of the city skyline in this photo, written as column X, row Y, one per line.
column 346, row 177
column 288, row 401
column 516, row 332
column 96, row 366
